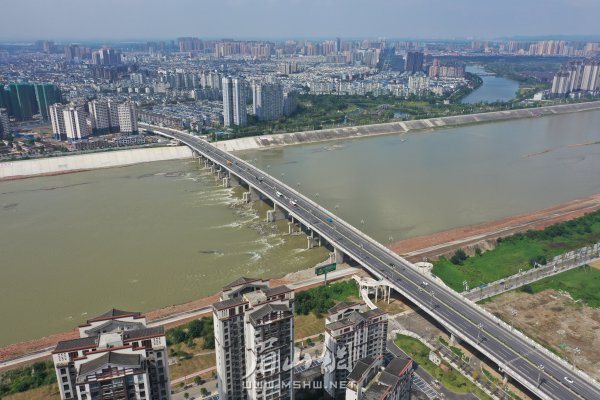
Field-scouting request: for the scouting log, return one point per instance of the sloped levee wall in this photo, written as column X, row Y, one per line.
column 285, row 139
column 82, row 162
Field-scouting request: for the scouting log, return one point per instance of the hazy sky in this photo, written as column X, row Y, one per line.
column 133, row 19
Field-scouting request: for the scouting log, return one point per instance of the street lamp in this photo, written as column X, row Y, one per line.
column 362, row 222
column 540, row 369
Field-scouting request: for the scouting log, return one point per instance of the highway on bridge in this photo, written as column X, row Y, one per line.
column 543, row 373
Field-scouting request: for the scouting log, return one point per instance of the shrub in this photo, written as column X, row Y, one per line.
column 459, row 257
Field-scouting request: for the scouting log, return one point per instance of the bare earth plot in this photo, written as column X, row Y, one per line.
column 555, row 320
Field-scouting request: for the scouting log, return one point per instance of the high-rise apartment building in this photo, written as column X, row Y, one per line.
column 577, row 76
column 369, row 380
column 267, row 100
column 254, row 341
column 100, row 117
column 116, row 357
column 127, row 118
column 75, row 122
column 234, row 102
column 414, row 62
column 352, row 332
column 290, row 102
column 107, row 57
column 58, row 121
column 4, row 127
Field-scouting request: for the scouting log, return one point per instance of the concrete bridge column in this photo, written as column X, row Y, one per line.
column 233, row 180
column 271, row 217
column 280, row 213
column 338, row 256
column 226, row 182
column 254, row 194
column 312, row 242
column 246, row 198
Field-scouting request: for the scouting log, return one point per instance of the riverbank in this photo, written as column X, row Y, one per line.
column 287, row 139
column 485, row 235
column 83, row 162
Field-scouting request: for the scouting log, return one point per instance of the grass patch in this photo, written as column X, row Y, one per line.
column 308, row 325
column 194, row 364
column 581, row 283
column 517, row 252
column 448, row 376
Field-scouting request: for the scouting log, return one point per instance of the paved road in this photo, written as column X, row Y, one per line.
column 515, row 354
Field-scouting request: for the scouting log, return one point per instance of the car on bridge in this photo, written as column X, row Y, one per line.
column 279, row 194
column 329, row 219
column 293, row 203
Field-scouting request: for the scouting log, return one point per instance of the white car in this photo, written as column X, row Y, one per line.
column 279, row 194
column 569, row 380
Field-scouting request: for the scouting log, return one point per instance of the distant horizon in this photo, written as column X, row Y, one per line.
column 84, row 20
column 74, row 40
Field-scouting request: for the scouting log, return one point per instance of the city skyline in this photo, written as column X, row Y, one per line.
column 137, row 19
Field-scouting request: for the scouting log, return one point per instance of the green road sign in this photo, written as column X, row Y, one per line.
column 323, row 269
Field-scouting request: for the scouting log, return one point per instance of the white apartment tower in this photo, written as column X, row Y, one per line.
column 58, row 121
column 352, row 332
column 267, row 100
column 127, row 118
column 75, row 120
column 234, row 102
column 254, row 341
column 227, row 101
column 116, row 357
column 100, row 116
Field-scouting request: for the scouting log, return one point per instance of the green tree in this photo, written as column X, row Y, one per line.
column 459, row 257
column 195, row 328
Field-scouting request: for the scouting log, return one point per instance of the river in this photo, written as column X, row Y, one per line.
column 493, row 88
column 139, row 237
column 156, row 234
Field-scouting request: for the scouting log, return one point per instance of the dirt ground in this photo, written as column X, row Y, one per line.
column 557, row 321
column 484, row 235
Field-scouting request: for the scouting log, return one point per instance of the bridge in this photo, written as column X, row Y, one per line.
column 537, row 369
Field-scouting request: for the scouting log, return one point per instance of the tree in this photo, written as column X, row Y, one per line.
column 459, row 257
column 195, row 328
column 186, row 395
column 177, row 335
column 198, row 380
column 203, row 392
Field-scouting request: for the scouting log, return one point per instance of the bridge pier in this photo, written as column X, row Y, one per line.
column 312, row 242
column 271, row 216
column 246, row 198
column 254, row 194
column 291, row 228
column 226, row 183
column 233, row 180
column 338, row 256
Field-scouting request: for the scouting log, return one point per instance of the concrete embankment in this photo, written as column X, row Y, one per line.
column 82, row 162
column 285, row 139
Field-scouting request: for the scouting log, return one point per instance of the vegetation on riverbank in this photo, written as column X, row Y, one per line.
column 22, row 379
column 518, row 252
column 581, row 283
